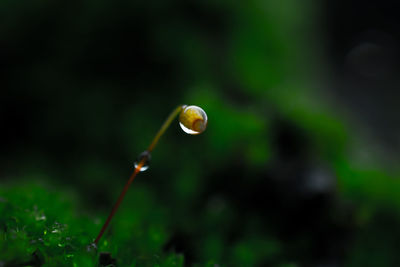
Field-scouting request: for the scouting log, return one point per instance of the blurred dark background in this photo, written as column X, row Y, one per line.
column 299, row 164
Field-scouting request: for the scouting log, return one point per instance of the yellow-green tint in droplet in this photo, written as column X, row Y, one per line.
column 193, row 120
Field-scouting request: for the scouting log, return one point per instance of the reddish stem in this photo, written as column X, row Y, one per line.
column 163, row 128
column 120, row 198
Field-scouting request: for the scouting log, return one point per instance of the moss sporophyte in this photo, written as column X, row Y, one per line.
column 192, row 119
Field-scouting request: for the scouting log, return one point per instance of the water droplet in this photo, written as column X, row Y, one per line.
column 40, row 217
column 145, row 155
column 193, row 120
column 92, row 248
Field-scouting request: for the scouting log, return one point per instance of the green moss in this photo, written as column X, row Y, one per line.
column 40, row 226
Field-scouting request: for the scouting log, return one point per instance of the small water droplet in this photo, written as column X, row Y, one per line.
column 40, row 217
column 92, row 248
column 193, row 120
column 145, row 155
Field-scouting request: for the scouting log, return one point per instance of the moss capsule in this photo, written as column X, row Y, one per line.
column 193, row 120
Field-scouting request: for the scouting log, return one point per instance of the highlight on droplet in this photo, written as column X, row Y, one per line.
column 193, row 120
column 145, row 155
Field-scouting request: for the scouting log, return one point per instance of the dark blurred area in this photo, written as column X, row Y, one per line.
column 363, row 47
column 299, row 164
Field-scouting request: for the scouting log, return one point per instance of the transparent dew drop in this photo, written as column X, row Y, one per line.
column 193, row 120
column 92, row 248
column 145, row 155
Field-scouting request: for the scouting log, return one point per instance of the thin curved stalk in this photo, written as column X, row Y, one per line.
column 139, row 166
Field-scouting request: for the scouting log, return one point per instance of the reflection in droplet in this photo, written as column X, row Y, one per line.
column 193, row 120
column 92, row 248
column 145, row 155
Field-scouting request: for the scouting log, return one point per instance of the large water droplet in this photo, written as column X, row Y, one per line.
column 193, row 120
column 145, row 155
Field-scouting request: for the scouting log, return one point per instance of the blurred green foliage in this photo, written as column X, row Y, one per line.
column 96, row 85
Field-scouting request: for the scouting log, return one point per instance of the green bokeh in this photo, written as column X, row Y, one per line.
column 94, row 105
